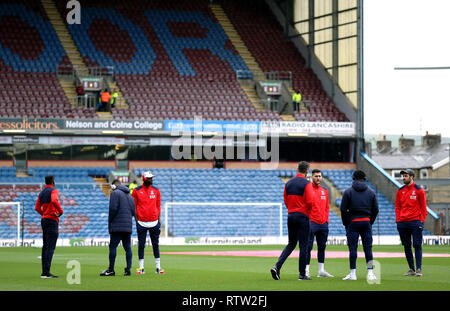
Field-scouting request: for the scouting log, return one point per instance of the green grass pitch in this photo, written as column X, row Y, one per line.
column 20, row 270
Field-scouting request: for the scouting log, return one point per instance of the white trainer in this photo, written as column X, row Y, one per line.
column 324, row 274
column 371, row 276
column 350, row 277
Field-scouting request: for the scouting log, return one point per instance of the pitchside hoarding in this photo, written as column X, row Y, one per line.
column 254, row 240
column 170, row 126
column 78, row 124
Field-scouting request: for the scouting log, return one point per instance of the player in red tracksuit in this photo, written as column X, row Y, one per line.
column 410, row 215
column 297, row 194
column 48, row 207
column 147, row 200
column 319, row 218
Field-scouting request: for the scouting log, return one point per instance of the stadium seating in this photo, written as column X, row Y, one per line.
column 264, row 38
column 86, row 206
column 84, row 203
column 30, row 53
column 172, row 60
column 385, row 223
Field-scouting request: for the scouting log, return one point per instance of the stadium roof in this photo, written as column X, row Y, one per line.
column 414, row 157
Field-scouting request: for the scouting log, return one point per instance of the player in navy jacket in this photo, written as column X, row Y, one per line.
column 298, row 199
column 120, row 225
column 48, row 207
column 359, row 209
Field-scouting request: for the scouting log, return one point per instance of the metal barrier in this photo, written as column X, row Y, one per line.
column 92, row 101
column 262, row 76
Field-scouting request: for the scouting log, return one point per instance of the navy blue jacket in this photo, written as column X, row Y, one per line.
column 359, row 201
column 121, row 210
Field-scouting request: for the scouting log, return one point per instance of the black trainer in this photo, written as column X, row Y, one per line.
column 275, row 273
column 304, row 278
column 108, row 273
column 127, row 272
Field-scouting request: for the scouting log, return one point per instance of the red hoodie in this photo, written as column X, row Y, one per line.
column 147, row 202
column 320, row 206
column 410, row 204
column 47, row 203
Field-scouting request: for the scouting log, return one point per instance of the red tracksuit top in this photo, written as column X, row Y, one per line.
column 147, row 202
column 410, row 204
column 47, row 203
column 320, row 207
column 298, row 195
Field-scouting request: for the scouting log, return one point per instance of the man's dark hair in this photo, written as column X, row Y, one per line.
column 115, row 182
column 315, row 171
column 49, row 179
column 359, row 175
column 303, row 167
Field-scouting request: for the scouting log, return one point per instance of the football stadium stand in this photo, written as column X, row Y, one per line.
column 171, row 60
column 86, row 205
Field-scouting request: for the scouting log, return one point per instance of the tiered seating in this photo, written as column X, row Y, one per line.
column 86, row 206
column 30, row 52
column 385, row 223
column 264, row 38
column 84, row 203
column 171, row 60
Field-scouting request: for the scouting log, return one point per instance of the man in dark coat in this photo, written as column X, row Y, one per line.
column 121, row 212
column 359, row 209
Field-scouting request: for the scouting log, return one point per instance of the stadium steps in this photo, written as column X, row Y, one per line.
column 104, row 115
column 69, row 89
column 103, row 183
column 121, row 103
column 243, row 51
column 67, row 42
column 287, row 117
column 254, row 98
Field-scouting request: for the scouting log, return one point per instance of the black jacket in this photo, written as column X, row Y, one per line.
column 359, row 201
column 121, row 210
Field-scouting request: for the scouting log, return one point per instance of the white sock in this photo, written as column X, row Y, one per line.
column 321, row 265
column 158, row 263
column 307, row 268
column 353, row 272
column 141, row 263
column 369, row 271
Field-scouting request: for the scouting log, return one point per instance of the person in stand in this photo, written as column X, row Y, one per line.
column 297, row 197
column 114, row 97
column 319, row 218
column 359, row 209
column 48, row 207
column 105, row 101
column 80, row 94
column 296, row 99
column 121, row 213
column 132, row 186
column 148, row 210
column 410, row 214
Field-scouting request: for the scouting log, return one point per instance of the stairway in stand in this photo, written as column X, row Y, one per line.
column 247, row 57
column 69, row 46
column 103, row 184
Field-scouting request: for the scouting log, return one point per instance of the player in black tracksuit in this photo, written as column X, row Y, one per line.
column 359, row 209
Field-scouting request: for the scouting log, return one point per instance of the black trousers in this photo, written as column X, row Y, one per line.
column 49, row 238
column 115, row 238
column 354, row 230
column 154, row 237
column 298, row 231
